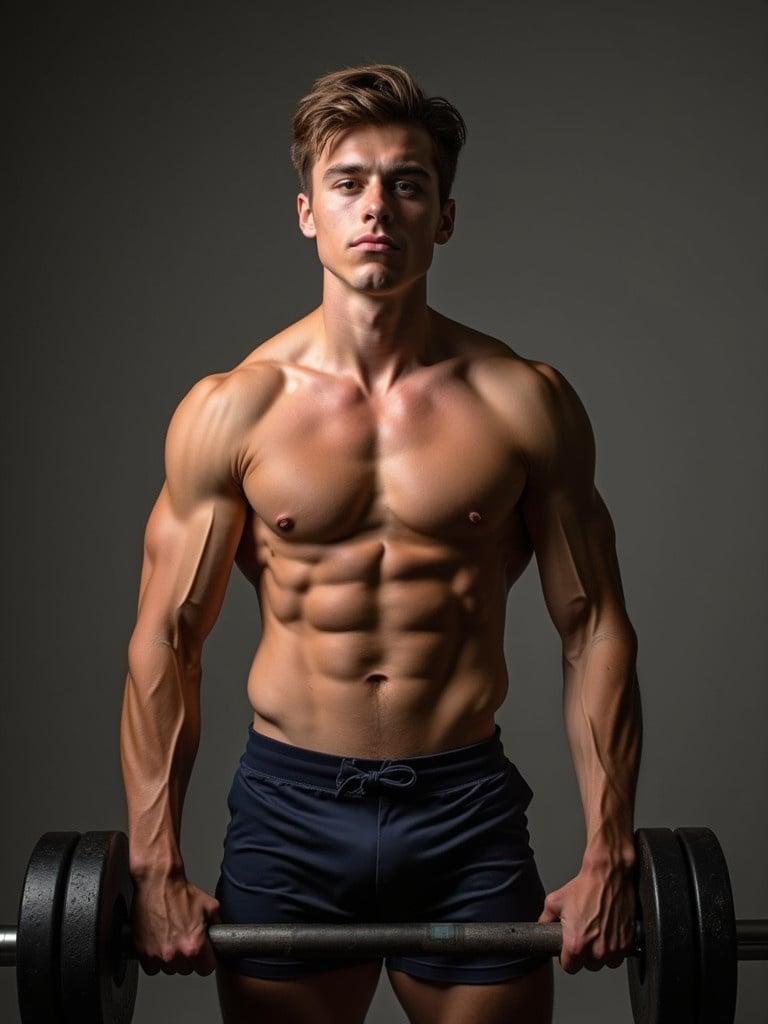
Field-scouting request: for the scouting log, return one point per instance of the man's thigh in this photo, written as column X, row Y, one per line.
column 527, row 999
column 340, row 996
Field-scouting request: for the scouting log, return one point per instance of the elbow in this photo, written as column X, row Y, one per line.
column 148, row 648
column 587, row 628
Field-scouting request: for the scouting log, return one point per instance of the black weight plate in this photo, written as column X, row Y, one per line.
column 37, row 938
column 98, row 985
column 663, row 980
column 715, row 924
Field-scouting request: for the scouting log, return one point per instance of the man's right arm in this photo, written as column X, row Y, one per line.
column 190, row 543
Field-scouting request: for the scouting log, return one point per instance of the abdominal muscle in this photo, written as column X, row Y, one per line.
column 427, row 676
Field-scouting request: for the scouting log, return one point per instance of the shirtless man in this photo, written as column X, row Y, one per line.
column 382, row 475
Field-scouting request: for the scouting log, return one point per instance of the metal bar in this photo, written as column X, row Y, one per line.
column 752, row 931
column 515, row 938
column 362, row 939
column 7, row 946
column 518, row 938
column 753, row 951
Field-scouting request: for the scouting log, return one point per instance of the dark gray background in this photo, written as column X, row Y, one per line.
column 611, row 221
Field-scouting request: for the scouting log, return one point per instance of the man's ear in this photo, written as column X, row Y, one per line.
column 445, row 224
column 306, row 217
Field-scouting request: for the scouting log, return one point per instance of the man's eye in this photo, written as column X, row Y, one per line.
column 409, row 185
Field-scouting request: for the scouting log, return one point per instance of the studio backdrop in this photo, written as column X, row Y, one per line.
column 611, row 221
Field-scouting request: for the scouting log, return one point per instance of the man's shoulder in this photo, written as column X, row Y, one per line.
column 539, row 408
column 526, row 392
column 209, row 430
column 227, row 404
column 237, row 395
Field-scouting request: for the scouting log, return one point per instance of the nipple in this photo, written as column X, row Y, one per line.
column 475, row 517
column 285, row 523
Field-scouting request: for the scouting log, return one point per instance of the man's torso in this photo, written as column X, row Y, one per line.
column 383, row 535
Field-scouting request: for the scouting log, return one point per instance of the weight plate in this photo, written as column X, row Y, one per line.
column 98, row 984
column 37, row 937
column 714, row 923
column 663, row 979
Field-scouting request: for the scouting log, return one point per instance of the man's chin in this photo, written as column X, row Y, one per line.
column 374, row 283
column 371, row 280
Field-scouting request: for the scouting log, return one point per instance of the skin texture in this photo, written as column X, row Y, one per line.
column 382, row 475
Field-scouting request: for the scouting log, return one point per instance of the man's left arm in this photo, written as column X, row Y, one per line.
column 575, row 546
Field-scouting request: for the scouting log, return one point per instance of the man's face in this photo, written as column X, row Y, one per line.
column 376, row 180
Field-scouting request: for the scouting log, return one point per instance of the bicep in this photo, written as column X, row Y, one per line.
column 187, row 565
column 569, row 524
column 575, row 547
column 194, row 528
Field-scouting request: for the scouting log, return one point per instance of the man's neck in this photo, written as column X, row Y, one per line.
column 374, row 341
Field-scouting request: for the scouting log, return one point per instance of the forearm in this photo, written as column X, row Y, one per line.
column 159, row 737
column 603, row 722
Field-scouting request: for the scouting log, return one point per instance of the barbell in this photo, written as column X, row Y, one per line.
column 76, row 964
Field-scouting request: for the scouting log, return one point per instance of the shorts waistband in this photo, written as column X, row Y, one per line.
column 357, row 776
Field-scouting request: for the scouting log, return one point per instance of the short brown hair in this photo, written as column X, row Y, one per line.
column 378, row 94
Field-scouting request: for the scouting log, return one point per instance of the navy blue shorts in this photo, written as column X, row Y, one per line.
column 317, row 838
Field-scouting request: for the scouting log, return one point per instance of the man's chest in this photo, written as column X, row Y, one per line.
column 430, row 458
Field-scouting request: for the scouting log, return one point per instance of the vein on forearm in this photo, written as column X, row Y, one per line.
column 159, row 739
column 602, row 712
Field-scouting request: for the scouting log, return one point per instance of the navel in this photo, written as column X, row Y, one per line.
column 376, row 677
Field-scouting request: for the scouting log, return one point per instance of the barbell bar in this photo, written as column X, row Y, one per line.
column 520, row 938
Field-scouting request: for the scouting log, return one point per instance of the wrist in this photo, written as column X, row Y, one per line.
column 609, row 857
column 155, row 867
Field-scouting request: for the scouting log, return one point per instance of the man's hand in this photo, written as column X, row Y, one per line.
column 169, row 921
column 597, row 911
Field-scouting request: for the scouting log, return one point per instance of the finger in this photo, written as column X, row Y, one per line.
column 205, row 963
column 176, row 963
column 549, row 914
column 614, row 961
column 150, row 965
column 573, row 957
column 197, row 954
column 178, row 966
column 182, row 964
column 570, row 963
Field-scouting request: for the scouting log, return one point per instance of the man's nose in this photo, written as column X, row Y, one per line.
column 377, row 202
